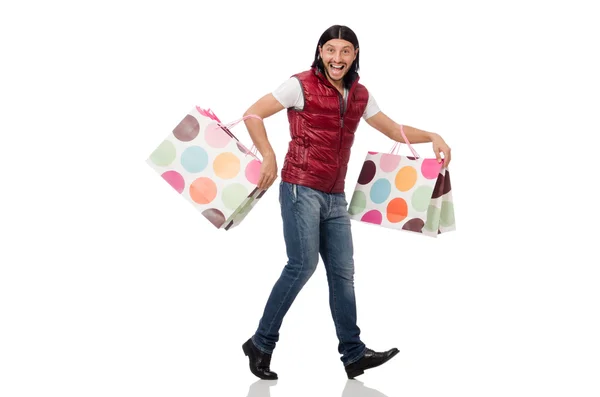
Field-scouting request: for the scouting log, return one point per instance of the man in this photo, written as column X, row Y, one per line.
column 324, row 105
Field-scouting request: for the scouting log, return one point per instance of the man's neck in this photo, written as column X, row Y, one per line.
column 337, row 84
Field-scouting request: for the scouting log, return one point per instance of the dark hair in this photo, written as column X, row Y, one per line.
column 344, row 33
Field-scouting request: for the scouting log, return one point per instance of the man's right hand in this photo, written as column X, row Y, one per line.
column 268, row 172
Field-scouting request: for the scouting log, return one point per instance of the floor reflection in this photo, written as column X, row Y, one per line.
column 353, row 388
column 261, row 388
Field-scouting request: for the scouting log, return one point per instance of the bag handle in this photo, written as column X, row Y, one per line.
column 232, row 124
column 249, row 116
column 396, row 145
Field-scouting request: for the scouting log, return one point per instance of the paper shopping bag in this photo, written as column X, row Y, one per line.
column 404, row 192
column 210, row 168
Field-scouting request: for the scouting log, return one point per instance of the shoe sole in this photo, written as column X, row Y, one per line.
column 356, row 372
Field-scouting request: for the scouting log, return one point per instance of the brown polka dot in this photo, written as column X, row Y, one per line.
column 367, row 173
column 215, row 216
column 414, row 225
column 187, row 129
column 439, row 187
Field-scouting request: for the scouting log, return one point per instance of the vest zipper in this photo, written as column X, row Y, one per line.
column 340, row 140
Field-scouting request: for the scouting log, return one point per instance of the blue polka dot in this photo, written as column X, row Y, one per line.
column 380, row 191
column 194, row 159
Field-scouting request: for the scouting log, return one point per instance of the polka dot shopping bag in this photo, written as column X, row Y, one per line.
column 210, row 168
column 404, row 192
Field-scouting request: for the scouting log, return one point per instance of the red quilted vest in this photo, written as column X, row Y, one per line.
column 322, row 133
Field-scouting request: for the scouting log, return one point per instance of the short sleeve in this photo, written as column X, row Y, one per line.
column 289, row 94
column 372, row 108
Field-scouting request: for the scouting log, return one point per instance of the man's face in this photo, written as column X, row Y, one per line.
column 337, row 56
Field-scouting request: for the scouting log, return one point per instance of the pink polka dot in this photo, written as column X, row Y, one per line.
column 215, row 136
column 373, row 152
column 430, row 168
column 389, row 162
column 253, row 171
column 372, row 216
column 174, row 179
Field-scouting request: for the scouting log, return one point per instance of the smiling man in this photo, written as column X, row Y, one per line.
column 324, row 106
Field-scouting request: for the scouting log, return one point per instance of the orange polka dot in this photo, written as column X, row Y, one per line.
column 397, row 210
column 226, row 165
column 203, row 190
column 406, row 178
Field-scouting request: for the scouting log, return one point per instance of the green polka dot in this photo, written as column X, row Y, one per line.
column 233, row 195
column 358, row 203
column 421, row 198
column 447, row 216
column 164, row 154
column 433, row 219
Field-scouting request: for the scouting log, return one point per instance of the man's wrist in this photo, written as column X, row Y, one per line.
column 269, row 155
column 432, row 136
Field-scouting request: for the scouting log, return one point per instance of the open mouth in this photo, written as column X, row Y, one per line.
column 336, row 69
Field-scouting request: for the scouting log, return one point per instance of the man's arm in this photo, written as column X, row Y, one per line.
column 391, row 129
column 264, row 107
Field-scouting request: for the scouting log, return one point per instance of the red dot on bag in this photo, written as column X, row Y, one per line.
column 397, row 210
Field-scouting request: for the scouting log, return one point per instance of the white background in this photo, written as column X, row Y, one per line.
column 111, row 285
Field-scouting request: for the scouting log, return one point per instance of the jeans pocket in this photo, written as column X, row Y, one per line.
column 281, row 186
column 290, row 191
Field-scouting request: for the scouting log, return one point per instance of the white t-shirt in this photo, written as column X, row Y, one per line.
column 289, row 94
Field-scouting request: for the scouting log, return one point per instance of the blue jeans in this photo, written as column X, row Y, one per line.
column 314, row 223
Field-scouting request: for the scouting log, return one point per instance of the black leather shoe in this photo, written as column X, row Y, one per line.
column 371, row 359
column 259, row 361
